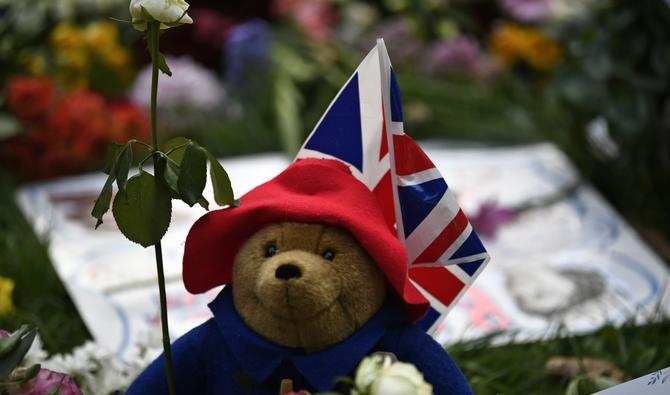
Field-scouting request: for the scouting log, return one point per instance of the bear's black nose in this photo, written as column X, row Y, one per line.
column 288, row 271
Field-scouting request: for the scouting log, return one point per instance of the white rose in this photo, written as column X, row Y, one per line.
column 381, row 375
column 369, row 369
column 401, row 379
column 168, row 12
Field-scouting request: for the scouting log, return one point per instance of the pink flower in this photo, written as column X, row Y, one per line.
column 490, row 217
column 315, row 17
column 212, row 27
column 45, row 381
column 526, row 10
column 460, row 54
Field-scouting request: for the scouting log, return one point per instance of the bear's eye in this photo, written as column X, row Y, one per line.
column 270, row 250
column 328, row 254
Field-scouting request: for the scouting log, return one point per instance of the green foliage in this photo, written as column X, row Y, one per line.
column 585, row 385
column 175, row 149
column 144, row 211
column 14, row 348
column 117, row 169
column 519, row 368
column 223, row 191
column 192, row 175
column 123, row 167
column 142, row 208
column 152, row 42
column 40, row 300
column 503, row 111
column 617, row 67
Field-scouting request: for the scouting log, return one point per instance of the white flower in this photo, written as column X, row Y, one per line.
column 168, row 12
column 401, row 379
column 369, row 369
column 380, row 375
column 191, row 87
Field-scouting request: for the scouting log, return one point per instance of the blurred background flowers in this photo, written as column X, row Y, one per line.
column 591, row 76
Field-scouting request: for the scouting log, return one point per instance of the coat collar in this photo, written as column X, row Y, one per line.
column 259, row 357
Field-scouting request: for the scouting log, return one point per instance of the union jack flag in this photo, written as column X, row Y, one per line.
column 363, row 127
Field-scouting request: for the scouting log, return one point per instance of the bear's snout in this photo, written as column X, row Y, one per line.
column 288, row 271
column 305, row 285
column 296, row 283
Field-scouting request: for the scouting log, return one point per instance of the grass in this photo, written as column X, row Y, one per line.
column 519, row 368
column 41, row 299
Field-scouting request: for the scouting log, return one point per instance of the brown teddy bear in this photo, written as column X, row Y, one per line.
column 301, row 285
column 317, row 281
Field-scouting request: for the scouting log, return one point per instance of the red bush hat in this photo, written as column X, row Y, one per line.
column 319, row 191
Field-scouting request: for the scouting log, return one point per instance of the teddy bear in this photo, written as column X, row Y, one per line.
column 315, row 280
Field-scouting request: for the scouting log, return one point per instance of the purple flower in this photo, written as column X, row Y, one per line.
column 460, row 54
column 46, row 381
column 526, row 10
column 400, row 39
column 490, row 217
column 247, row 53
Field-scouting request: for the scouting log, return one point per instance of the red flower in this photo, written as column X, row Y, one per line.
column 128, row 121
column 72, row 137
column 30, row 98
column 79, row 124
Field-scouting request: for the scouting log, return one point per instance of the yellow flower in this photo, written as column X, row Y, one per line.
column 543, row 53
column 116, row 57
column 73, row 59
column 36, row 65
column 6, row 302
column 66, row 36
column 100, row 36
column 513, row 43
column 507, row 42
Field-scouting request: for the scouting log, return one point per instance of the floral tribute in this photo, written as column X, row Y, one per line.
column 32, row 380
column 64, row 131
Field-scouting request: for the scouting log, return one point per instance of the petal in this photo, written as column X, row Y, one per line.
column 155, row 8
column 393, row 385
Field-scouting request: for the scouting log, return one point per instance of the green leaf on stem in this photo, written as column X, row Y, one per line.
column 153, row 43
column 175, row 148
column 143, row 214
column 192, row 174
column 112, row 155
column 171, row 174
column 223, row 191
column 163, row 66
column 124, row 21
column 204, row 203
column 123, row 166
column 101, row 206
column 14, row 348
